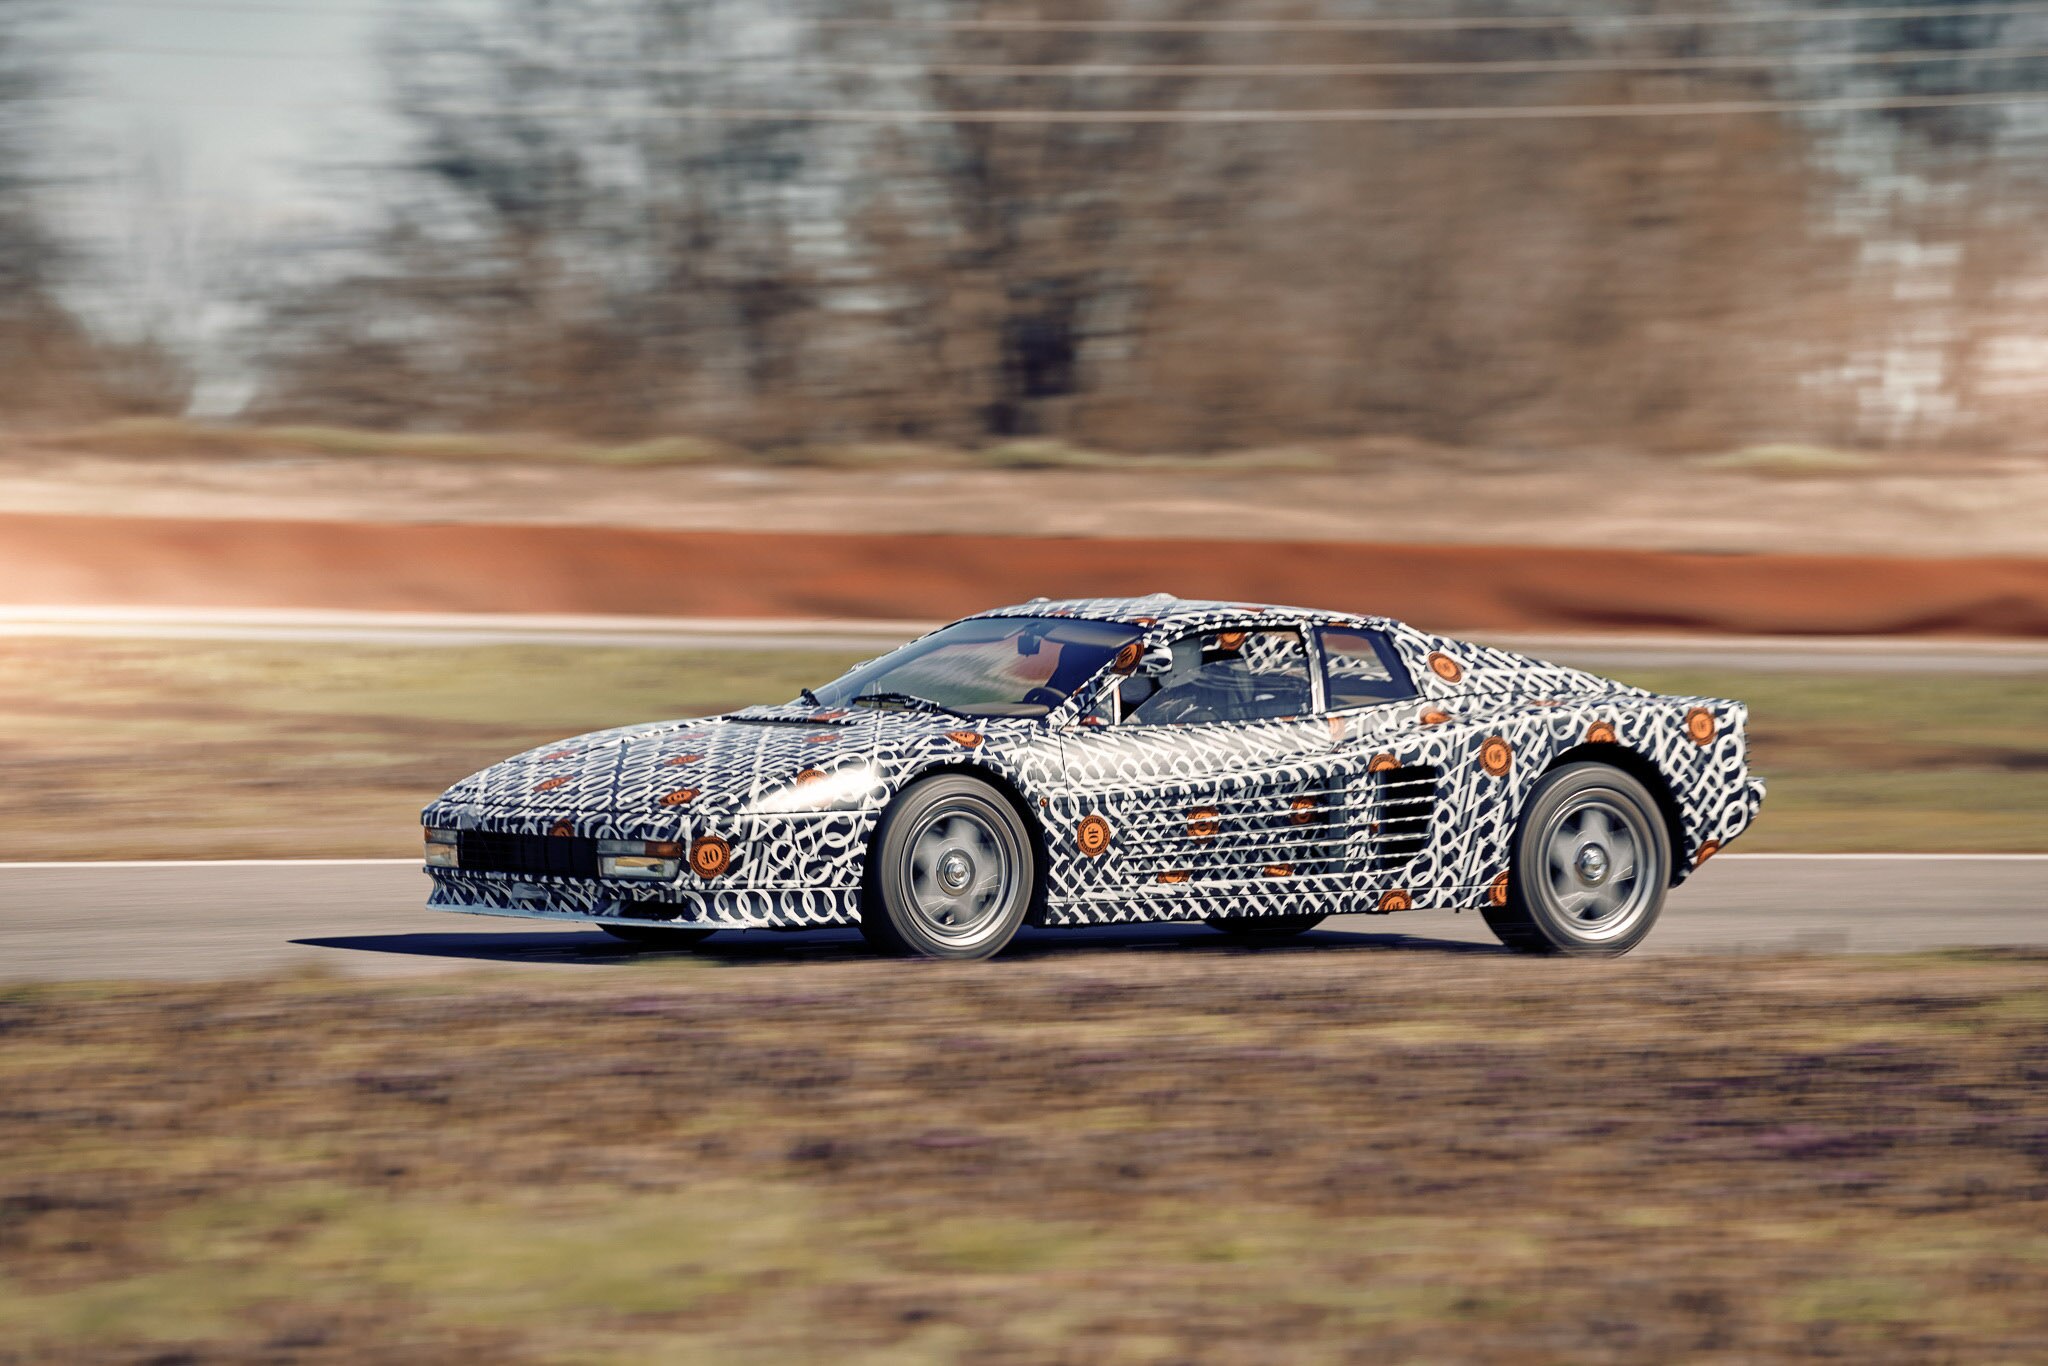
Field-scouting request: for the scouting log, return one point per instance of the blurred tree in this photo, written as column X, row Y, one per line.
column 41, row 346
column 594, row 229
column 555, row 252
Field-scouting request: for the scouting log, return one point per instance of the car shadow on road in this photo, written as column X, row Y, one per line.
column 766, row 947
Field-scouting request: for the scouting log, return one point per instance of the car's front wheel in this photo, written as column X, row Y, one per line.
column 951, row 871
column 659, row 936
column 1591, row 862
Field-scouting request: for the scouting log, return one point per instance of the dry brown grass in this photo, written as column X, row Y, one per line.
column 1298, row 1156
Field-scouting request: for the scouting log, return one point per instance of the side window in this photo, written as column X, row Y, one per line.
column 1224, row 676
column 1360, row 669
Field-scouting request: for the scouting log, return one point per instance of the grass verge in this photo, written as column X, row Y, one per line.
column 175, row 749
column 1219, row 1157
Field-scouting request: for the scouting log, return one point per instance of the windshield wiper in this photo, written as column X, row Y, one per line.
column 806, row 696
column 904, row 699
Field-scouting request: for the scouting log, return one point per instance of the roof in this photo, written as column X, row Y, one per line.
column 1160, row 607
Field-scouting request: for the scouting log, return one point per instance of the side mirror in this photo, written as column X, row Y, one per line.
column 1156, row 661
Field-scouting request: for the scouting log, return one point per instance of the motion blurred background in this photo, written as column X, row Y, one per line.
column 387, row 386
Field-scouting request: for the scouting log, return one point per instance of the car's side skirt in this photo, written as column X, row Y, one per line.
column 1310, row 896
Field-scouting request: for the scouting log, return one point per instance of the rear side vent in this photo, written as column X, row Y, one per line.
column 1403, row 804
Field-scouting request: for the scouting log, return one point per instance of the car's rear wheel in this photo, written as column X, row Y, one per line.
column 1265, row 927
column 659, row 936
column 951, row 871
column 1590, row 864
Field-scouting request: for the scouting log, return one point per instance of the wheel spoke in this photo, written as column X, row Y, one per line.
column 1593, row 824
column 1563, row 845
column 1603, row 901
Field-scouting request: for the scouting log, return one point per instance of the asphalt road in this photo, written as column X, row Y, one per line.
column 205, row 920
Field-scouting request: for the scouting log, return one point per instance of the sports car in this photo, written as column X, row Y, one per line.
column 1118, row 760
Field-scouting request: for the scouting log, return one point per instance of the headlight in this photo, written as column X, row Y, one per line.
column 647, row 860
column 813, row 791
column 442, row 849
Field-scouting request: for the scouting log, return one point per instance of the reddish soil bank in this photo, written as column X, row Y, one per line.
column 121, row 561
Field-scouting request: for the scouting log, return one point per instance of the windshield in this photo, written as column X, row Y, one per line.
column 990, row 666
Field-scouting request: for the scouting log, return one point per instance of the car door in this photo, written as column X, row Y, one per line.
column 1209, row 782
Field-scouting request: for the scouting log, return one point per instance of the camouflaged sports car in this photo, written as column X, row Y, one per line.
column 1116, row 760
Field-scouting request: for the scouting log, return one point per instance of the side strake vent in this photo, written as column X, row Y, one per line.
column 1403, row 801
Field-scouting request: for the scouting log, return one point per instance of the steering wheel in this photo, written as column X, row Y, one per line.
column 1042, row 696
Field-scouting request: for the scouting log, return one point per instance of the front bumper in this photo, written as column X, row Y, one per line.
column 791, row 871
column 590, row 901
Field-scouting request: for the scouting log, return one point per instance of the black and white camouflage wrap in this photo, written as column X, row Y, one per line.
column 1388, row 807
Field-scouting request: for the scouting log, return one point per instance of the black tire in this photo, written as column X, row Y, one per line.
column 1590, row 863
column 1266, row 928
column 659, row 936
column 951, row 872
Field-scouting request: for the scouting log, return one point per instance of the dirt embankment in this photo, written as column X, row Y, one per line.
column 136, row 561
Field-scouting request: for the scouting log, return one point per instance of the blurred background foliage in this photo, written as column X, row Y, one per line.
column 744, row 222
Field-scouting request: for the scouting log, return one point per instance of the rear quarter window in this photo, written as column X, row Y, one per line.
column 1360, row 669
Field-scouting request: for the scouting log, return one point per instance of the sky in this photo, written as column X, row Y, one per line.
column 198, row 129
column 243, row 129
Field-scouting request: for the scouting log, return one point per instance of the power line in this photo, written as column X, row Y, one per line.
column 1413, row 114
column 1418, row 24
column 1376, row 24
column 1126, row 70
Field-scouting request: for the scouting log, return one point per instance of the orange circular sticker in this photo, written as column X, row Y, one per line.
column 1600, row 733
column 809, row 776
column 1707, row 851
column 1127, row 658
column 561, row 829
column 1204, row 822
column 550, row 784
column 1496, row 755
column 1444, row 667
column 679, row 760
column 1396, row 900
column 1435, row 718
column 1230, row 640
column 1279, row 870
column 1383, row 763
column 966, row 739
column 1092, row 834
column 1302, row 810
column 1173, row 877
column 1700, row 726
column 709, row 855
column 1497, row 890
column 1338, row 726
column 680, row 797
